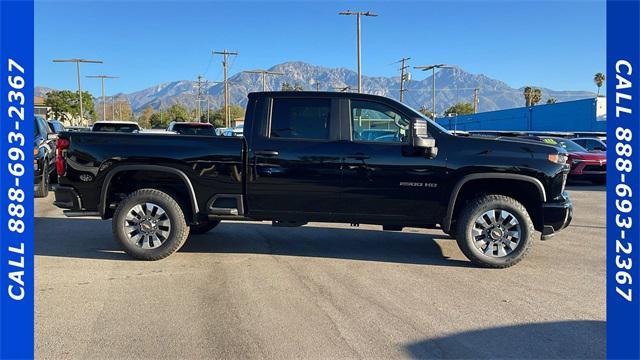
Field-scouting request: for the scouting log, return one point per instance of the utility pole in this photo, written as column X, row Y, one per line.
column 198, row 98
column 404, row 76
column 317, row 84
column 475, row 100
column 104, row 102
column 225, row 64
column 358, row 14
column 264, row 76
column 433, row 81
column 78, row 61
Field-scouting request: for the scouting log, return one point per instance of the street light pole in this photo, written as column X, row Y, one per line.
column 78, row 61
column 433, row 81
column 264, row 74
column 358, row 14
column 104, row 102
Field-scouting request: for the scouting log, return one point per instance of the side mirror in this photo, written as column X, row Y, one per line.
column 52, row 136
column 420, row 138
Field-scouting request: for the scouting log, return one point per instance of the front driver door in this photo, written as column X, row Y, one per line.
column 381, row 179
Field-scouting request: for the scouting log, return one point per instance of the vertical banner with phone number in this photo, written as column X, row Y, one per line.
column 623, row 180
column 16, row 179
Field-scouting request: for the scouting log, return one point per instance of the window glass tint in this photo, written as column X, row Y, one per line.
column 127, row 128
column 201, row 130
column 301, row 118
column 371, row 121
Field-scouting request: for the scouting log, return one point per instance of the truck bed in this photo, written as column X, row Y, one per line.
column 208, row 162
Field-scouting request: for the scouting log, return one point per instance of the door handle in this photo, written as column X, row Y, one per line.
column 267, row 153
column 358, row 156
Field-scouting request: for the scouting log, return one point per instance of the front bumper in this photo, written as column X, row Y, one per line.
column 556, row 215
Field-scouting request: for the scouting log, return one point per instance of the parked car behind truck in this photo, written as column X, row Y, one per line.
column 44, row 155
column 301, row 160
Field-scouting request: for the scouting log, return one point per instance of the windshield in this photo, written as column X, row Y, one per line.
column 201, row 130
column 566, row 144
column 124, row 128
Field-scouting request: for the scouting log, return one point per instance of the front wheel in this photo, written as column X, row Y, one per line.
column 494, row 231
column 150, row 225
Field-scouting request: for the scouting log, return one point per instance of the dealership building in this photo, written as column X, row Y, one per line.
column 586, row 115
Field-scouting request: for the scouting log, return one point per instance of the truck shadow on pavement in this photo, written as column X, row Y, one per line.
column 584, row 339
column 92, row 239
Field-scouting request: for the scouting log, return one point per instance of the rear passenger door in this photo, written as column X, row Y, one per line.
column 293, row 159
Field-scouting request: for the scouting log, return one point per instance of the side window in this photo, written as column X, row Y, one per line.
column 372, row 121
column 42, row 128
column 300, row 118
column 590, row 145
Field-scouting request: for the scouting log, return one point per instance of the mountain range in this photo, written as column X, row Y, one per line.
column 452, row 86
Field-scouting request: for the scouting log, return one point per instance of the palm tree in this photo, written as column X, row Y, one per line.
column 599, row 79
column 527, row 95
column 532, row 96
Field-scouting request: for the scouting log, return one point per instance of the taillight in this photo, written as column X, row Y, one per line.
column 62, row 144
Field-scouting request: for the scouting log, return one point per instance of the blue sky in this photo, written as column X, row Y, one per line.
column 559, row 45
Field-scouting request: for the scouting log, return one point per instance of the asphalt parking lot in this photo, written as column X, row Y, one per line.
column 249, row 290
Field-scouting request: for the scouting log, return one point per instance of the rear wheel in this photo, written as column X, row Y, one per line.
column 494, row 231
column 203, row 227
column 150, row 225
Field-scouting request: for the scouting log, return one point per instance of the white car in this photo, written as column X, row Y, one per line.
column 236, row 131
column 116, row 126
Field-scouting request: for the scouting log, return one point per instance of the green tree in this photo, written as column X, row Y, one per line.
column 217, row 117
column 145, row 119
column 460, row 109
column 532, row 96
column 286, row 87
column 159, row 120
column 599, row 79
column 178, row 112
column 552, row 100
column 65, row 104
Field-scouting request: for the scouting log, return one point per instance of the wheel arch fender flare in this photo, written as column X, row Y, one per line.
column 120, row 168
column 446, row 223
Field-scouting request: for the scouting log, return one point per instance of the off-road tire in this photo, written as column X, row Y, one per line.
column 478, row 206
column 203, row 227
column 42, row 190
column 179, row 229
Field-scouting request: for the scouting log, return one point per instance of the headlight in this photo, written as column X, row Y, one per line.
column 558, row 158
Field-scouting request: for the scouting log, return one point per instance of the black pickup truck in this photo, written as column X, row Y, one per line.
column 323, row 157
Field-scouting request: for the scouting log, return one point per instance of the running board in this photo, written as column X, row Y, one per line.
column 71, row 213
